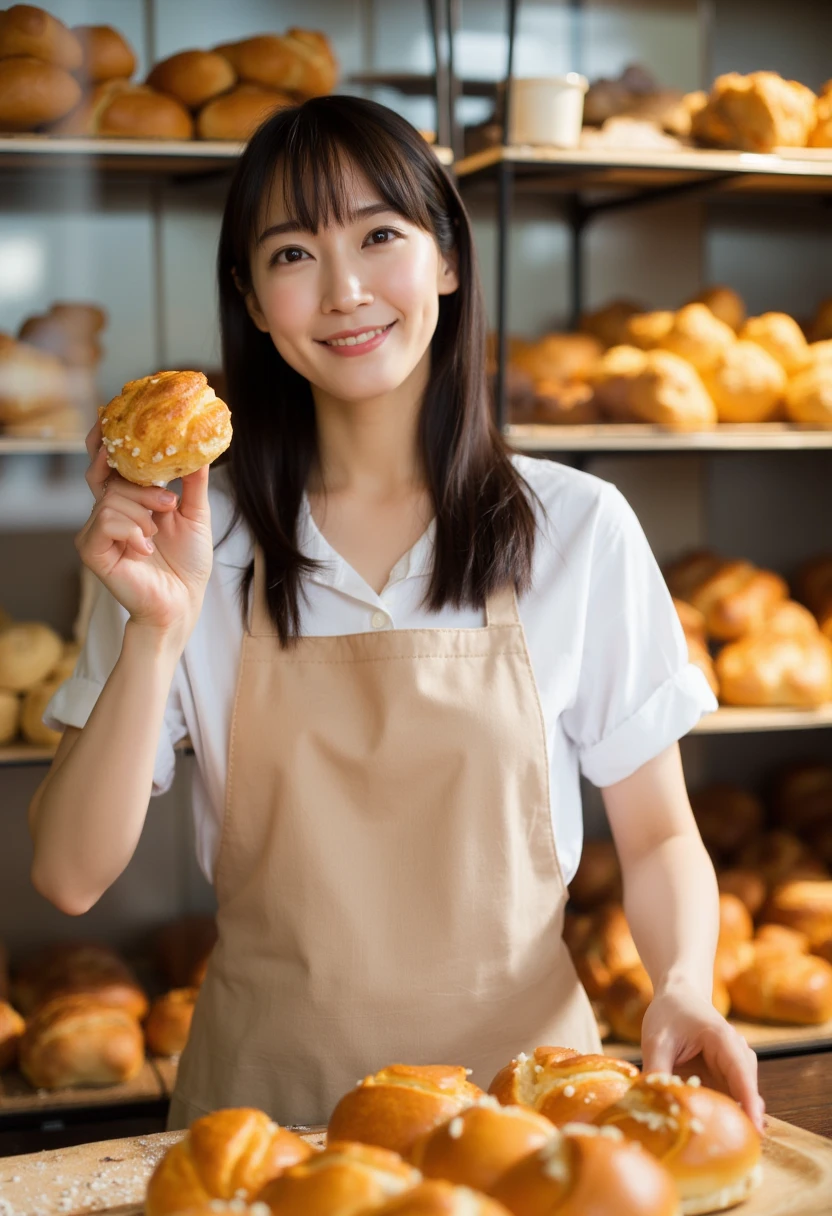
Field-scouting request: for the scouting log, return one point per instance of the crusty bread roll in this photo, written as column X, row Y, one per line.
column 563, row 403
column 168, row 1023
column 10, row 710
column 12, row 1027
column 28, row 653
column 698, row 336
column 724, row 303
column 782, row 986
column 164, row 426
column 77, row 1040
column 565, row 1087
column 34, row 93
column 183, row 948
column 612, row 380
column 781, row 336
column 735, row 923
column 299, row 61
column 558, row 356
column 609, row 324
column 809, row 396
column 746, row 383
column 607, row 949
column 767, row 669
column 747, row 884
column 32, row 382
column 804, row 906
column 702, row 1137
column 728, row 817
column 441, row 1199
column 756, row 113
column 117, row 109
column 344, row 1178
column 106, row 54
column 735, row 597
column 478, row 1145
column 598, row 877
column 27, row 30
column 238, row 114
column 32, row 726
column 193, row 77
column 78, row 968
column 585, row 1170
column 646, row 330
column 652, row 386
column 225, row 1155
column 394, row 1107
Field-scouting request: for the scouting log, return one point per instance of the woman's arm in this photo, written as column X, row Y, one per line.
column 671, row 901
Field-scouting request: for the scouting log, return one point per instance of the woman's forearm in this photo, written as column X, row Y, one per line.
column 87, row 816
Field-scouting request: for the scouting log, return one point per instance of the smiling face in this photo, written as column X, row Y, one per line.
column 353, row 306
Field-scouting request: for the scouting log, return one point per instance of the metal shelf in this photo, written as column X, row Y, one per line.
column 639, row 437
column 421, row 84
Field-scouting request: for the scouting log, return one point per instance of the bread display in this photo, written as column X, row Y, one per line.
column 477, row 1146
column 12, row 1027
column 237, row 115
column 441, row 1199
column 654, row 386
column 746, row 383
column 344, row 1178
column 226, row 1155
column 808, row 397
column 193, row 77
column 168, row 1023
column 164, row 426
column 561, row 1085
column 29, row 31
column 28, row 653
column 106, row 54
column 767, row 669
column 394, row 1107
column 33, row 93
column 781, row 336
column 705, row 1140
column 78, row 969
column 32, row 382
column 118, row 109
column 783, row 986
column 78, row 1040
column 299, row 61
column 756, row 113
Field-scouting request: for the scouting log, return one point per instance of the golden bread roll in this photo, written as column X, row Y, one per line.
column 193, row 77
column 34, row 93
column 724, row 303
column 59, row 423
column 821, row 136
column 237, row 115
column 820, row 353
column 782, row 986
column 774, row 855
column 164, row 426
column 735, row 923
column 10, row 710
column 609, row 324
column 562, row 1086
column 670, row 393
column 756, row 113
column 735, row 597
column 804, row 906
column 788, row 619
column 802, row 795
column 345, row 1178
column 478, row 1145
column 809, row 396
column 780, row 939
column 32, row 382
column 48, row 333
column 440, row 1199
column 27, row 30
column 12, row 1027
column 747, row 884
column 65, row 667
column 32, row 726
column 697, row 336
column 607, row 949
column 612, row 380
column 781, row 336
column 746, row 383
column 299, row 61
column 76, row 1040
column 625, row 1003
column 563, row 403
column 685, row 575
column 768, row 669
column 728, row 817
column 647, row 329
column 168, row 1023
column 106, row 54
column 183, row 948
column 78, row 969
column 598, row 877
column 226, row 1155
column 821, row 327
column 558, row 356
column 28, row 653
column 117, row 109
column 588, row 1170
column 394, row 1107
column 702, row 1137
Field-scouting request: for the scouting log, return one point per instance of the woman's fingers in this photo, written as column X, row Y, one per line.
column 728, row 1054
column 98, row 471
column 659, row 1052
column 113, row 528
column 194, row 505
column 93, row 440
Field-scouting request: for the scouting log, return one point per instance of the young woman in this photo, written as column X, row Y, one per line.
column 394, row 647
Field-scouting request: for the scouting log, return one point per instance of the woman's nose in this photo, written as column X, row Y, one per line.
column 344, row 288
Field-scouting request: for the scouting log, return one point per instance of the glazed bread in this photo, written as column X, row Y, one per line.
column 28, row 653
column 164, row 426
column 768, row 669
column 477, row 1146
column 728, row 817
column 34, row 93
column 27, row 30
column 746, row 384
column 587, row 1169
column 77, row 1040
column 394, row 1107
column 804, row 906
column 598, row 877
column 724, row 303
column 117, row 109
column 12, row 1027
column 808, row 397
column 168, row 1023
column 783, row 986
column 182, row 950
column 562, row 1086
column 226, row 1155
column 607, row 949
column 299, row 61
column 238, row 114
column 106, row 54
column 345, row 1178
column 699, row 337
column 756, row 113
column 78, row 969
column 32, row 382
column 441, row 1199
column 703, row 1138
column 193, row 77
column 781, row 336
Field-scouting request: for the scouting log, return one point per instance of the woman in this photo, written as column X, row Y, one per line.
column 406, row 647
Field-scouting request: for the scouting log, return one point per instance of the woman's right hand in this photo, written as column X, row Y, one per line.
column 154, row 559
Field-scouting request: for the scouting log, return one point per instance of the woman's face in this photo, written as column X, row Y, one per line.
column 319, row 295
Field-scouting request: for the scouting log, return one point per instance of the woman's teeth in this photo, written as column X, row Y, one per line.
column 371, row 333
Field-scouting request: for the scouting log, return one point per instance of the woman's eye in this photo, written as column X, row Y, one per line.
column 387, row 235
column 287, row 257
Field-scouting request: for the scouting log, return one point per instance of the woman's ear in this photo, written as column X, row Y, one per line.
column 448, row 273
column 251, row 302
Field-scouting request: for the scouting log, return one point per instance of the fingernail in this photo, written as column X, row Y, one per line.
column 149, row 546
column 167, row 497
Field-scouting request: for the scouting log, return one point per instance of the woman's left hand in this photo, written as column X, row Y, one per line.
column 680, row 1024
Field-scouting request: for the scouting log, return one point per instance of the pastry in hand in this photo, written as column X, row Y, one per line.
column 164, row 426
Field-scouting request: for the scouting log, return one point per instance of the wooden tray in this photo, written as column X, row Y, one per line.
column 766, row 1040
column 110, row 1177
column 17, row 1095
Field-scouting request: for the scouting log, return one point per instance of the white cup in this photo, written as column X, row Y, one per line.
column 547, row 110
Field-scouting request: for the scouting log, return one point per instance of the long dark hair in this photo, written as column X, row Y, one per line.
column 485, row 524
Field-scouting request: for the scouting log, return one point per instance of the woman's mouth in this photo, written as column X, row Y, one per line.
column 359, row 344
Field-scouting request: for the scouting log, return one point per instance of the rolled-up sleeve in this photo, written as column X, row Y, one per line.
column 73, row 702
column 637, row 693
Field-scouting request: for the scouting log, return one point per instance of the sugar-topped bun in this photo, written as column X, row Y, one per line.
column 563, row 1086
column 394, row 1107
column 346, row 1178
column 164, row 426
column 477, row 1146
column 706, row 1141
column 441, row 1199
column 586, row 1170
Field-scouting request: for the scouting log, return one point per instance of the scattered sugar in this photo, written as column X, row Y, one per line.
column 569, row 1091
column 156, row 457
column 696, row 1125
column 170, row 451
column 694, row 1082
column 136, row 452
column 663, row 1078
column 455, row 1128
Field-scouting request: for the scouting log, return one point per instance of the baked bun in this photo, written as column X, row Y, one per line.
column 735, row 923
column 299, row 61
column 767, row 669
column 809, row 396
column 183, row 948
column 193, row 77
column 626, row 1001
column 646, row 330
column 783, row 986
column 34, row 93
column 781, row 336
column 32, row 726
column 724, row 303
column 168, row 1024
column 344, row 1179
column 164, row 426
column 229, row 1154
column 612, row 380
column 10, row 709
column 12, row 1027
column 28, row 653
column 804, row 906
column 394, row 1107
column 607, row 949
column 609, row 324
column 669, row 392
column 238, row 114
column 727, row 816
column 699, row 337
column 557, row 356
column 32, row 382
column 27, row 30
column 78, row 969
column 564, row 1087
column 780, row 940
column 563, row 403
column 441, row 1199
column 477, row 1146
column 598, row 877
column 702, row 1137
column 735, row 597
column 76, row 1040
column 47, row 333
column 746, row 383
column 756, row 113
column 106, row 54
column 117, row 109
column 586, row 1170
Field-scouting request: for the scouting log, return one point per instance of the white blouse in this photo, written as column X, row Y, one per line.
column 606, row 646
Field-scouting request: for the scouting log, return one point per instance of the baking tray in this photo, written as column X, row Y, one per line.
column 17, row 1096
column 766, row 1041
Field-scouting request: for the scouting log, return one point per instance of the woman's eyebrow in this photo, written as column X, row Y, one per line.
column 294, row 226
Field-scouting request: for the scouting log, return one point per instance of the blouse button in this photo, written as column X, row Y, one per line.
column 378, row 620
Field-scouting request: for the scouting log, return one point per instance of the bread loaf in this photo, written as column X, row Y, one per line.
column 78, row 969
column 440, row 1199
column 106, row 54
column 756, row 113
column 779, row 986
column 238, row 114
column 724, row 303
column 32, row 382
column 12, row 1027
column 299, row 61
column 344, row 1178
column 193, row 77
column 766, row 669
column 77, row 1040
column 168, row 1023
column 563, row 1086
column 746, row 384
column 699, row 337
column 34, row 93
column 781, row 336
column 29, row 31
column 808, row 397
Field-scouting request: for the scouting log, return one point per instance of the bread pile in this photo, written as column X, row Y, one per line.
column 771, row 650
column 34, row 662
column 421, row 1140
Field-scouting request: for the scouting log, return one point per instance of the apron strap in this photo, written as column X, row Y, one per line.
column 261, row 623
column 501, row 607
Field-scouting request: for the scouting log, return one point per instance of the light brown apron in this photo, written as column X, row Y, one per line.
column 387, row 881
